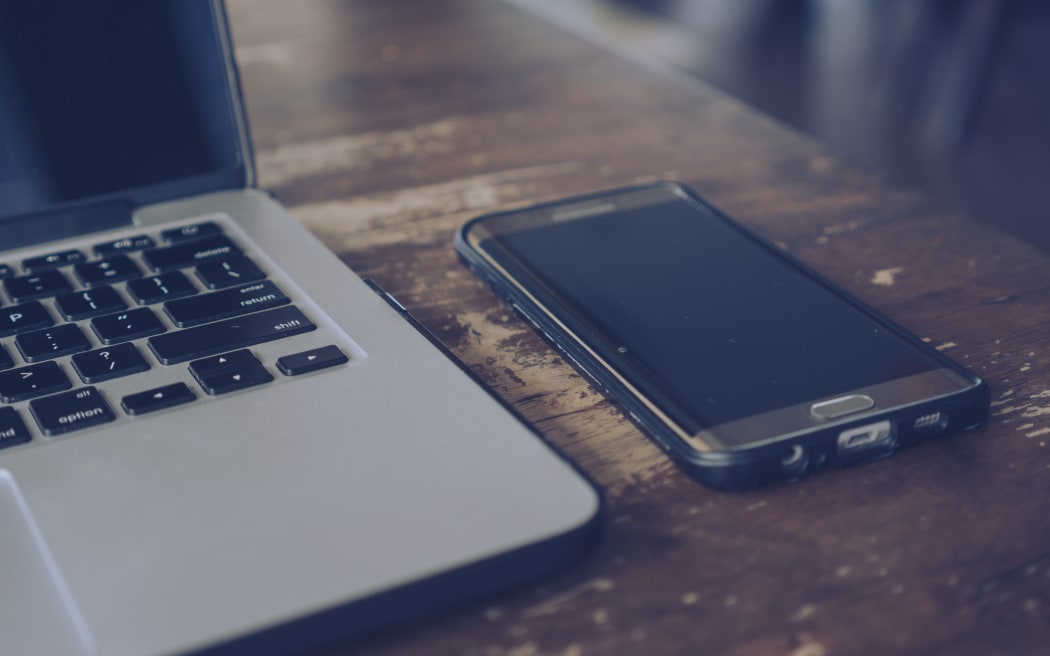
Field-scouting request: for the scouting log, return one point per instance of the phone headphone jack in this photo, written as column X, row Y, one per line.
column 795, row 462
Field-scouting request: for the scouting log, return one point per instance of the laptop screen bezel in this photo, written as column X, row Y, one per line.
column 114, row 209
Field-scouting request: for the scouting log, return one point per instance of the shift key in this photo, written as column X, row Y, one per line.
column 214, row 338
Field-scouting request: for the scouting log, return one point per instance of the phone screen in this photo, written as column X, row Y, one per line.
column 685, row 302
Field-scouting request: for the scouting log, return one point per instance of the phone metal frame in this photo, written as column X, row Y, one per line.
column 749, row 451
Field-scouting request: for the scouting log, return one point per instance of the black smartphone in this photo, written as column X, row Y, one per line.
column 739, row 361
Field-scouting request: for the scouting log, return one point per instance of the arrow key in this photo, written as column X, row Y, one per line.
column 229, row 372
column 157, row 399
column 233, row 379
column 218, row 363
column 312, row 360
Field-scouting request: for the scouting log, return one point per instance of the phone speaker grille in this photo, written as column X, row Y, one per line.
column 932, row 421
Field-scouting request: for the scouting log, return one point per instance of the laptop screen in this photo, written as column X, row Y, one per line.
column 110, row 98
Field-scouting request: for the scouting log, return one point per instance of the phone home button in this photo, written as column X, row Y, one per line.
column 844, row 405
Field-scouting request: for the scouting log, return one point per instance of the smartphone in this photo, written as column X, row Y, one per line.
column 742, row 363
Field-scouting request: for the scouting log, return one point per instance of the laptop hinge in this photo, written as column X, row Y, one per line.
column 42, row 227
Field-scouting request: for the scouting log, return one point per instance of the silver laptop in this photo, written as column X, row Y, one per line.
column 212, row 434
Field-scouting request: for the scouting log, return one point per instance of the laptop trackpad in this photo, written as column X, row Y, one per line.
column 37, row 615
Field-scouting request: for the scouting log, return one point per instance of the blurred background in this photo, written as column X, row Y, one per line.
column 950, row 96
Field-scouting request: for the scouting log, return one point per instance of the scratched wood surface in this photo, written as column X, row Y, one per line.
column 386, row 125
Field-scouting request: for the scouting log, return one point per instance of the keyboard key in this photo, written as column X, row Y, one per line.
column 92, row 303
column 5, row 360
column 219, row 363
column 36, row 285
column 157, row 399
column 231, row 271
column 227, row 303
column 71, row 411
column 12, row 429
column 125, row 245
column 230, row 334
column 20, row 318
column 229, row 372
column 166, row 286
column 45, row 262
column 312, row 360
column 190, row 232
column 189, row 253
column 124, row 326
column 6, row 271
column 115, row 268
column 109, row 362
column 232, row 381
column 50, row 343
column 240, row 371
column 34, row 380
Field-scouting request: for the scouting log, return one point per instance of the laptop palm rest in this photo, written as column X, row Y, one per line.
column 37, row 614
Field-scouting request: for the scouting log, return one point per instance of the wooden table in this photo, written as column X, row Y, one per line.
column 386, row 125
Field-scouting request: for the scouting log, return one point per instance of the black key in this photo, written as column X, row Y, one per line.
column 6, row 271
column 231, row 271
column 12, row 429
column 125, row 245
column 51, row 261
column 225, row 304
column 189, row 253
column 50, row 343
column 124, row 326
column 5, row 360
column 229, row 372
column 157, row 399
column 190, row 232
column 20, row 318
column 230, row 334
column 109, row 362
column 36, row 285
column 71, row 411
column 219, row 363
column 115, row 268
column 231, row 380
column 34, row 380
column 312, row 360
column 81, row 305
column 166, row 286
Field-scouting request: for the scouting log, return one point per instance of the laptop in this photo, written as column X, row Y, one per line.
column 213, row 435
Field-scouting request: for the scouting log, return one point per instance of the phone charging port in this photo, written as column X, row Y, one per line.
column 868, row 441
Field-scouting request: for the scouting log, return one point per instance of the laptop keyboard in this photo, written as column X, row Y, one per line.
column 117, row 329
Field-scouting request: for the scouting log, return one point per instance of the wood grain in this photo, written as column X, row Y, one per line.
column 385, row 126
